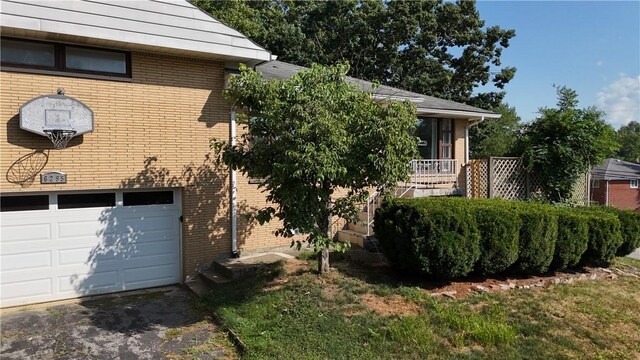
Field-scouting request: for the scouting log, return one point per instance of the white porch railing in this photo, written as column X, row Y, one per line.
column 427, row 172
column 424, row 172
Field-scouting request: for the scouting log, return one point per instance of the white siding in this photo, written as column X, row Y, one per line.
column 165, row 24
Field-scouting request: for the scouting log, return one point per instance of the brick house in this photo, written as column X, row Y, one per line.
column 137, row 201
column 615, row 183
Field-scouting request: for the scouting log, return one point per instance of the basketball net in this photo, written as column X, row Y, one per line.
column 60, row 138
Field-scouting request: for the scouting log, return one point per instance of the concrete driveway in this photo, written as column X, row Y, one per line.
column 152, row 325
column 635, row 254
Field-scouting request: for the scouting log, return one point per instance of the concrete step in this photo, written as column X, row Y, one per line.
column 352, row 237
column 360, row 227
column 236, row 268
column 437, row 192
column 213, row 277
column 198, row 287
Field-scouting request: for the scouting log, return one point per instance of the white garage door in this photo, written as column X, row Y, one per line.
column 64, row 245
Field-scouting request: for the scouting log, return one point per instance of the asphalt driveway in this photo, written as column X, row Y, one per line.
column 155, row 325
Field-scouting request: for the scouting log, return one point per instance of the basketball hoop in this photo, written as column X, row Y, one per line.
column 60, row 138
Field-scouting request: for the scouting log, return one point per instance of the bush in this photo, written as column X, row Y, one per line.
column 499, row 228
column 572, row 240
column 604, row 236
column 429, row 236
column 630, row 229
column 538, row 236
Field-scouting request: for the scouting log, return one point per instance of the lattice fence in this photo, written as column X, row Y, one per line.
column 477, row 178
column 507, row 178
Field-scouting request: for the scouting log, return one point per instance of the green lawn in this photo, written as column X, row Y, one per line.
column 291, row 313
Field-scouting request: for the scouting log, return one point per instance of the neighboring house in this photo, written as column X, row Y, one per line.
column 615, row 183
column 136, row 200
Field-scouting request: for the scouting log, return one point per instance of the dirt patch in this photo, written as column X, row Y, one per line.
column 293, row 266
column 389, row 306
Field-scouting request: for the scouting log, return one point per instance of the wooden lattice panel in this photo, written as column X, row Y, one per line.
column 580, row 194
column 478, row 178
column 508, row 179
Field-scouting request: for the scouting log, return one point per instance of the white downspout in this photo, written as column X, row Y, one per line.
column 234, row 193
column 606, row 194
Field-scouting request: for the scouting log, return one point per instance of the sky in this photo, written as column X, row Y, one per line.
column 592, row 47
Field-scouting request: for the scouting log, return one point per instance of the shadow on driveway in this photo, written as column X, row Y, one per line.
column 154, row 325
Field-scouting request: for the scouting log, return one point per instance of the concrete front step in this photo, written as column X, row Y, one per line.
column 360, row 228
column 198, row 287
column 352, row 237
column 236, row 268
column 213, row 277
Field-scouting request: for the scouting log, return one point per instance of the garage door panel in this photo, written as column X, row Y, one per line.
column 65, row 253
column 26, row 289
column 87, row 283
column 25, row 261
column 21, row 230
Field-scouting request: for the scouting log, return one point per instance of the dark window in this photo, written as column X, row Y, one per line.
column 79, row 58
column 67, row 58
column 28, row 53
column 24, row 203
column 147, row 198
column 73, row 201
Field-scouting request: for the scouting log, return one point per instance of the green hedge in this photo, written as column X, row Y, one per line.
column 538, row 236
column 448, row 237
column 572, row 240
column 431, row 237
column 499, row 228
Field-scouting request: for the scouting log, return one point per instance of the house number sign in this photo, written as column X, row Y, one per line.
column 53, row 177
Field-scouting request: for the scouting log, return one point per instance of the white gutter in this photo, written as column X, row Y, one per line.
column 234, row 193
column 469, row 114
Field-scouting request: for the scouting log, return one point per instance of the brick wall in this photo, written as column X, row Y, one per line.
column 151, row 132
column 621, row 195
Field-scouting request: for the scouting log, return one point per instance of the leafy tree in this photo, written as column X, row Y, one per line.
column 629, row 139
column 310, row 136
column 564, row 141
column 495, row 137
column 437, row 48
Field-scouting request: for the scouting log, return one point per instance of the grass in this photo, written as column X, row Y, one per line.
column 298, row 314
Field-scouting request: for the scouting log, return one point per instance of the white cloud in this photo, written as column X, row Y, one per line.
column 621, row 100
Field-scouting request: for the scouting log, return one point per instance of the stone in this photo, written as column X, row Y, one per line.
column 504, row 287
column 526, row 286
column 450, row 294
column 512, row 285
column 593, row 276
column 480, row 288
column 557, row 281
column 606, row 270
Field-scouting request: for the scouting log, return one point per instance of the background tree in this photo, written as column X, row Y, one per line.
column 629, row 139
column 436, row 48
column 564, row 141
column 311, row 135
column 495, row 137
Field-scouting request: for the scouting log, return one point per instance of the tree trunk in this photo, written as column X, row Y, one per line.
column 323, row 261
column 323, row 256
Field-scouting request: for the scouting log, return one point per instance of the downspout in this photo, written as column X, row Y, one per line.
column 234, row 193
column 606, row 194
column 466, row 151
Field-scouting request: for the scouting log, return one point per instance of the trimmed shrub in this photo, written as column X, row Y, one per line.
column 629, row 227
column 433, row 237
column 538, row 235
column 499, row 228
column 572, row 240
column 605, row 236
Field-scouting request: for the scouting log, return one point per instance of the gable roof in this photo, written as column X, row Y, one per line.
column 174, row 26
column 614, row 169
column 426, row 105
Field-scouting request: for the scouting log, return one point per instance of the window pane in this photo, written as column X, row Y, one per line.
column 95, row 60
column 427, row 132
column 27, row 53
column 446, row 138
column 446, row 152
column 73, row 201
column 147, row 198
column 24, row 203
column 446, row 124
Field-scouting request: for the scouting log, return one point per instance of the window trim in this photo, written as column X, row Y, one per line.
column 59, row 54
column 631, row 183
